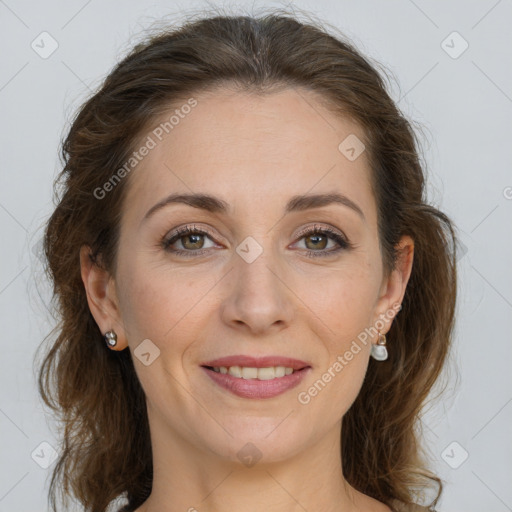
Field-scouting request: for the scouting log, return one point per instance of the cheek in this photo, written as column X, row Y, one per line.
column 150, row 306
column 343, row 301
column 344, row 304
column 163, row 304
column 335, row 386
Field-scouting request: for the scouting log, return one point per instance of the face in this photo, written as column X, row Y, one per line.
column 253, row 279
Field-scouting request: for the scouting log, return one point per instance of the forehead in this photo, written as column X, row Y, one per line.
column 246, row 147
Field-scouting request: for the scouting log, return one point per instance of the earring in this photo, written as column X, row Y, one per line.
column 111, row 339
column 379, row 351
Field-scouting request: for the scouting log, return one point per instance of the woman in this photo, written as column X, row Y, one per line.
column 256, row 298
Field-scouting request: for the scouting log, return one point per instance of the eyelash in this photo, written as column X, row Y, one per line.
column 343, row 243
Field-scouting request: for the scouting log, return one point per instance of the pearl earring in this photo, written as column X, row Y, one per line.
column 379, row 351
column 111, row 338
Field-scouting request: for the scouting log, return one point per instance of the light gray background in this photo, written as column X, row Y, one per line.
column 465, row 106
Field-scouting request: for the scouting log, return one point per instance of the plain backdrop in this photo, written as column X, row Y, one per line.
column 452, row 66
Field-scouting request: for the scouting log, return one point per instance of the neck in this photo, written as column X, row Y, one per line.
column 190, row 478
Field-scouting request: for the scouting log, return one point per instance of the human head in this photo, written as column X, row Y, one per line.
column 264, row 58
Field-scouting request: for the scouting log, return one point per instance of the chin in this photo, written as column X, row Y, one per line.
column 257, row 440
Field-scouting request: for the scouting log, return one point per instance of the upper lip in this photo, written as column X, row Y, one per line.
column 257, row 362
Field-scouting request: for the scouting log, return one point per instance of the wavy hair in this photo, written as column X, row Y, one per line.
column 95, row 392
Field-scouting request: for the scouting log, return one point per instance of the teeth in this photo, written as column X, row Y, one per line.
column 236, row 371
column 249, row 373
column 266, row 373
column 269, row 373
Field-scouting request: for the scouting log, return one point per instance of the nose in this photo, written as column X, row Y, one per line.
column 258, row 299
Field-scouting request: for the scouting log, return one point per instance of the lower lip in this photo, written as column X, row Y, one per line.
column 254, row 388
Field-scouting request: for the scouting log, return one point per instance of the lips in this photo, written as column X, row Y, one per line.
column 251, row 387
column 257, row 362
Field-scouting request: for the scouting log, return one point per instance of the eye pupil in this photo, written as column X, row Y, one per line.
column 198, row 240
column 316, row 237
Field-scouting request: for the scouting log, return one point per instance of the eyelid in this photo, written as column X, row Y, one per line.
column 180, row 231
column 319, row 227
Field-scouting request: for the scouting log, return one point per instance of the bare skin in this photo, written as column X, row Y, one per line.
column 254, row 153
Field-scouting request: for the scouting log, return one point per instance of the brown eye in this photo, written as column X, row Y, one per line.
column 191, row 239
column 318, row 241
column 196, row 241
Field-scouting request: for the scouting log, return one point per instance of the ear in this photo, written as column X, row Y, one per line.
column 101, row 297
column 393, row 287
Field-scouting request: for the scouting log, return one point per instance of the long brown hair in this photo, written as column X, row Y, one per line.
column 95, row 393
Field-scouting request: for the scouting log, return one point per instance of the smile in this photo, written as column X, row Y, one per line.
column 256, row 383
column 247, row 372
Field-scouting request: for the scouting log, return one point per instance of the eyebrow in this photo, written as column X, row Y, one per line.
column 216, row 205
